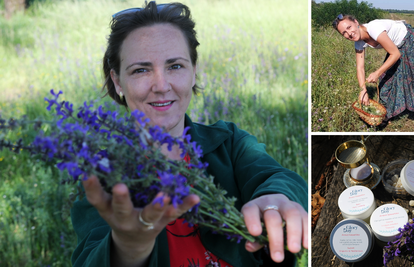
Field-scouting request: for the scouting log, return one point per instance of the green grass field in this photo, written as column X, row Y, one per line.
column 253, row 62
column 335, row 85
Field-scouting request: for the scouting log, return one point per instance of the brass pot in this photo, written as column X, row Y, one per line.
column 351, row 154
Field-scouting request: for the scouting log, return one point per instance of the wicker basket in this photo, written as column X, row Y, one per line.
column 371, row 119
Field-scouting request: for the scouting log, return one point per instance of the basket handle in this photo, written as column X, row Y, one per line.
column 359, row 100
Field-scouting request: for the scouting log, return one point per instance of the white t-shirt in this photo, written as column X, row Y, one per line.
column 395, row 29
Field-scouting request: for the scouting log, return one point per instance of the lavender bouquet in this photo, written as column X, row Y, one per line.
column 126, row 149
column 403, row 246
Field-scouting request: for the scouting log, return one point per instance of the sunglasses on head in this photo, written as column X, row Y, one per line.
column 136, row 9
column 339, row 18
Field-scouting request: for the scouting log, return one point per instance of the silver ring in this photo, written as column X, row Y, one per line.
column 271, row 207
column 148, row 226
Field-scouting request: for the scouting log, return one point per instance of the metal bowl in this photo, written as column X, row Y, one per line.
column 351, row 154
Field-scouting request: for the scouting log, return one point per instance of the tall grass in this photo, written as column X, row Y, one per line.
column 335, row 85
column 252, row 66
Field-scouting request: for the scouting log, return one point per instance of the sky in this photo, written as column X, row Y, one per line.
column 385, row 4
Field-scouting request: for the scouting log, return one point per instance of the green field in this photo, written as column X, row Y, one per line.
column 335, row 85
column 253, row 62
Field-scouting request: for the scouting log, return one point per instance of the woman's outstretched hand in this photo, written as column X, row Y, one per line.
column 363, row 97
column 133, row 241
column 292, row 213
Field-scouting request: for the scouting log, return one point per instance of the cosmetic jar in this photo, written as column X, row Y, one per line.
column 386, row 220
column 407, row 177
column 357, row 202
column 352, row 240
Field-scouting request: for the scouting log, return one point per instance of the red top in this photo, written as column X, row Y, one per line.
column 185, row 247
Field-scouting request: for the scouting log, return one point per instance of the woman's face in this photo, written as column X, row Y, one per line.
column 156, row 75
column 349, row 29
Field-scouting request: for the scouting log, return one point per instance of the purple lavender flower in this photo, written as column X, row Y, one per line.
column 62, row 240
column 144, row 196
column 126, row 149
column 72, row 168
column 54, row 101
column 175, row 186
column 402, row 247
column 46, row 145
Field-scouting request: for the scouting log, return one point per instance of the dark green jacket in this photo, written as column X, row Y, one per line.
column 239, row 164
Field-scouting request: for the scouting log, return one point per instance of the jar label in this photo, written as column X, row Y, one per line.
column 387, row 219
column 356, row 200
column 350, row 242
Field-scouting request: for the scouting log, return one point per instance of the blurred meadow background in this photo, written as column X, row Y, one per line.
column 334, row 82
column 253, row 62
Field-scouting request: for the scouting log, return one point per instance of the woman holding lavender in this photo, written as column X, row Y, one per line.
column 150, row 65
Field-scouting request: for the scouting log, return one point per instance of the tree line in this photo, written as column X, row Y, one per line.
column 323, row 14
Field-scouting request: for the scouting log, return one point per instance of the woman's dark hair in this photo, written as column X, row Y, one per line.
column 124, row 22
column 340, row 18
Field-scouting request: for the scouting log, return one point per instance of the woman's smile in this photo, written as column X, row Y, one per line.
column 162, row 105
column 352, row 37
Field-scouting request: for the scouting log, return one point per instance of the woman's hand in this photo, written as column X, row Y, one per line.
column 133, row 240
column 292, row 213
column 363, row 97
column 373, row 77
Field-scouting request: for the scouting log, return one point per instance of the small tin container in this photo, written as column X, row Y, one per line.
column 386, row 220
column 352, row 240
column 357, row 202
